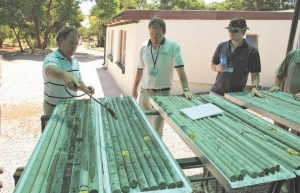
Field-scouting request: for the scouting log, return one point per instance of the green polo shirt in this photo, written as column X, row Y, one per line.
column 55, row 90
column 290, row 70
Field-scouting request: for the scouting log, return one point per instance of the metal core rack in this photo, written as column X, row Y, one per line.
column 238, row 148
column 83, row 149
column 279, row 106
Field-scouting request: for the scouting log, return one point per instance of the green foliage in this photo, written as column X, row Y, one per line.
column 39, row 19
column 15, row 12
column 127, row 4
column 217, row 6
column 260, row 5
column 106, row 9
column 182, row 4
column 5, row 33
column 142, row 4
column 241, row 5
column 84, row 31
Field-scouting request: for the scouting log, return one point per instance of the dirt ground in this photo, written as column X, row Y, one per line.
column 21, row 97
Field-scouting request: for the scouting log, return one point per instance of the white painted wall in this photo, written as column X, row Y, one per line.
column 124, row 81
column 198, row 40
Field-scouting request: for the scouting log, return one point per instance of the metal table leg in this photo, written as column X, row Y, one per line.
column 275, row 187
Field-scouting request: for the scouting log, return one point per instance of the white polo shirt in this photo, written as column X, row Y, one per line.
column 169, row 57
column 54, row 90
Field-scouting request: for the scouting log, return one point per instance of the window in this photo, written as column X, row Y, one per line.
column 111, row 46
column 252, row 40
column 122, row 51
column 123, row 46
column 111, row 50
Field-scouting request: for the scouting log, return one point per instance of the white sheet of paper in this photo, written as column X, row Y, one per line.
column 202, row 111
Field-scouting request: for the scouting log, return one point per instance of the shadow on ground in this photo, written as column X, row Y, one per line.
column 11, row 55
column 109, row 86
column 85, row 57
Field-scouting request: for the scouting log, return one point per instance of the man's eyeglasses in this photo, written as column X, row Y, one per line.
column 233, row 31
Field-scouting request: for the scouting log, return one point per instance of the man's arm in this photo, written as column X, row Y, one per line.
column 184, row 83
column 138, row 78
column 277, row 83
column 255, row 84
column 56, row 73
column 88, row 89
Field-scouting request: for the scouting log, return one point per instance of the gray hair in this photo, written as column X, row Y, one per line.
column 64, row 32
column 159, row 22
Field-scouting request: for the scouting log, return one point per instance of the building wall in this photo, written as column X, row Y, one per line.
column 124, row 81
column 198, row 40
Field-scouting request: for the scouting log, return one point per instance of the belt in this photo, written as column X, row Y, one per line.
column 157, row 90
column 52, row 105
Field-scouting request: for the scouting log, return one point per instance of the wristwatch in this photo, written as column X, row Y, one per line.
column 186, row 89
column 257, row 87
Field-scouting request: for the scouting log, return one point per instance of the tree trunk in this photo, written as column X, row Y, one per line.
column 40, row 39
column 1, row 42
column 48, row 27
column 28, row 43
column 18, row 38
column 46, row 34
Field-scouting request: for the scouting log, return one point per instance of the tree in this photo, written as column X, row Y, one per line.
column 84, row 32
column 142, row 4
column 105, row 9
column 127, row 4
column 5, row 32
column 217, row 6
column 102, row 11
column 48, row 16
column 182, row 4
column 95, row 27
column 15, row 15
column 29, row 35
column 260, row 5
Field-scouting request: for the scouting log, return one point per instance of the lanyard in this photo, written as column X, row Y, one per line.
column 154, row 61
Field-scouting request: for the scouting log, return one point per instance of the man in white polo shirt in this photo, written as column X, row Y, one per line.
column 61, row 70
column 158, row 57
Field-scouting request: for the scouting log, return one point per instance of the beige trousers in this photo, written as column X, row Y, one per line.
column 156, row 120
column 48, row 110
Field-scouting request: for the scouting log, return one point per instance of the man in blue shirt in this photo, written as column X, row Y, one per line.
column 242, row 58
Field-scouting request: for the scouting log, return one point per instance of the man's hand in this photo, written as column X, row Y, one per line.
column 188, row 95
column 220, row 68
column 91, row 90
column 297, row 96
column 275, row 89
column 256, row 92
column 71, row 81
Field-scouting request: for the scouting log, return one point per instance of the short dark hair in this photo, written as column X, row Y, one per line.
column 158, row 21
column 64, row 32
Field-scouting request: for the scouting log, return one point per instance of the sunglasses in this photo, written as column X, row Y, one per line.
column 233, row 31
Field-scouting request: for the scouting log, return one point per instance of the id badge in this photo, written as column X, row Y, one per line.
column 229, row 69
column 153, row 72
